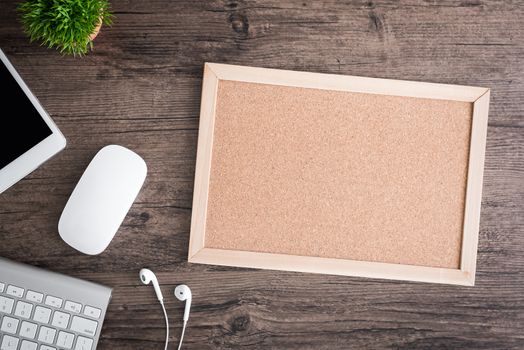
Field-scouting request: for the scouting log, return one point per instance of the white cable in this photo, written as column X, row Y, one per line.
column 182, row 336
column 167, row 324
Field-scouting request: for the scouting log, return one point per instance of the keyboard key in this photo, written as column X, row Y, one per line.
column 2, row 286
column 72, row 306
column 84, row 343
column 92, row 311
column 60, row 320
column 42, row 314
column 9, row 325
column 47, row 335
column 28, row 330
column 34, row 296
column 15, row 291
column 65, row 340
column 83, row 326
column 53, row 301
column 28, row 345
column 9, row 343
column 23, row 309
column 6, row 305
column 45, row 347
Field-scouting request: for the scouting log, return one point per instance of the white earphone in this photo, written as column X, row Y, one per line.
column 146, row 277
column 182, row 293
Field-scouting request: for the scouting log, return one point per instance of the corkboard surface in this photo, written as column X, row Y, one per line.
column 338, row 174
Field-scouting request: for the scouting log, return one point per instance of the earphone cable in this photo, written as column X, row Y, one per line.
column 182, row 336
column 167, row 324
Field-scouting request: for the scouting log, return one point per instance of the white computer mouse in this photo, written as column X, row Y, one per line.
column 101, row 199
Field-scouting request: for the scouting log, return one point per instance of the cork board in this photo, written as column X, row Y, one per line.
column 338, row 173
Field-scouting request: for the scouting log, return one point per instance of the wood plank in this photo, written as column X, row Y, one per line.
column 141, row 88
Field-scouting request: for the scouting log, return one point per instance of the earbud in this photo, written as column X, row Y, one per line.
column 183, row 293
column 147, row 276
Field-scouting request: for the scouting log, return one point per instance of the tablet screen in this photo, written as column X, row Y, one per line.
column 22, row 127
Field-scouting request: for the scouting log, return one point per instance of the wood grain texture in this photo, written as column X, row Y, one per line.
column 140, row 88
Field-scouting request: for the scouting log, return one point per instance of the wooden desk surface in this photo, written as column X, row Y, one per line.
column 140, row 88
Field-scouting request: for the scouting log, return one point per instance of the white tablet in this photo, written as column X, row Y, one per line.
column 29, row 136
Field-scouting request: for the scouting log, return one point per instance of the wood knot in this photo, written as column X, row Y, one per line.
column 376, row 22
column 471, row 3
column 239, row 23
column 145, row 216
column 240, row 323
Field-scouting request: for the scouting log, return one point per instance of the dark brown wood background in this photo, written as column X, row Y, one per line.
column 140, row 88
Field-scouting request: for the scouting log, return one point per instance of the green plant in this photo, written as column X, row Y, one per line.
column 64, row 24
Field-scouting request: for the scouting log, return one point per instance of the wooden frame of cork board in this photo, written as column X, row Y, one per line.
column 339, row 174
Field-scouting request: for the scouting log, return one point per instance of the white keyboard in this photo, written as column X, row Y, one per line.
column 42, row 310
